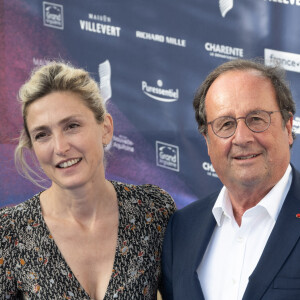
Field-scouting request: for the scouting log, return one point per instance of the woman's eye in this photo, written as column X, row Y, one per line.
column 40, row 135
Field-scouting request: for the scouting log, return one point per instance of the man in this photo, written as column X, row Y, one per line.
column 242, row 242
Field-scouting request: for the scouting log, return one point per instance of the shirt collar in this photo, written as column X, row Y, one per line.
column 272, row 202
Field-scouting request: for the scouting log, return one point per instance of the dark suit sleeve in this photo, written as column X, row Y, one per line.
column 167, row 261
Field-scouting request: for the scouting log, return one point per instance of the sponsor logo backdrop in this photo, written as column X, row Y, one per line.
column 149, row 57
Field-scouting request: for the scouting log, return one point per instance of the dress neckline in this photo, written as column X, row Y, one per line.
column 71, row 274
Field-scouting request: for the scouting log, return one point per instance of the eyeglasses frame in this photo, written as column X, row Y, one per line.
column 244, row 118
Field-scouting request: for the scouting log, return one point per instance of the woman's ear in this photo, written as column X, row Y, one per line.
column 108, row 129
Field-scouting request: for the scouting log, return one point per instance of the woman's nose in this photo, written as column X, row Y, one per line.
column 61, row 144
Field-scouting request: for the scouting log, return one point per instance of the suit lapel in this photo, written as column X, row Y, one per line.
column 201, row 226
column 202, row 237
column 285, row 234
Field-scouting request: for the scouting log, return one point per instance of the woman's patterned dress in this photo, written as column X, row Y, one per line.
column 32, row 267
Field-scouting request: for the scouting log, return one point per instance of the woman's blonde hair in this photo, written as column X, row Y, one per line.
column 54, row 77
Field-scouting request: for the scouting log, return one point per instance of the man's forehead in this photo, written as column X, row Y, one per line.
column 240, row 90
column 247, row 74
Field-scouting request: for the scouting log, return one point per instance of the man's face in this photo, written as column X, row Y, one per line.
column 247, row 159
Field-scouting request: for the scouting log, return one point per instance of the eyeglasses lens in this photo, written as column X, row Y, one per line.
column 256, row 121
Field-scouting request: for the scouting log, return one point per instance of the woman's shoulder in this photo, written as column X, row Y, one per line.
column 148, row 195
column 18, row 215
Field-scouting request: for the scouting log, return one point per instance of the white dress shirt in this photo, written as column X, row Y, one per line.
column 233, row 252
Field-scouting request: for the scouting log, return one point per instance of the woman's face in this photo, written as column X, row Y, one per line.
column 67, row 139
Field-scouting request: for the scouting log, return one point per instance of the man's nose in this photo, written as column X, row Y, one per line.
column 242, row 133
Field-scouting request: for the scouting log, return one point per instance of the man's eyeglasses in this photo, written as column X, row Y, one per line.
column 256, row 121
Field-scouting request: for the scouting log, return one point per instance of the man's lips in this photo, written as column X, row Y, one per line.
column 68, row 163
column 244, row 157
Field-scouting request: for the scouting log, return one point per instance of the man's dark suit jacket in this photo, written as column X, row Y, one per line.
column 277, row 274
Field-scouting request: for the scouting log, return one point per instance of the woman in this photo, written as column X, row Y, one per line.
column 84, row 237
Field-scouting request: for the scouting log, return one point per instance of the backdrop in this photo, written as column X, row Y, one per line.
column 148, row 57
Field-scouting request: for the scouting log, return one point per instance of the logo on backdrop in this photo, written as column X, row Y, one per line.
column 159, row 93
column 167, row 156
column 209, row 169
column 296, row 125
column 160, row 38
column 53, row 15
column 40, row 61
column 223, row 51
column 121, row 142
column 225, row 6
column 105, row 75
column 99, row 24
column 288, row 2
column 288, row 61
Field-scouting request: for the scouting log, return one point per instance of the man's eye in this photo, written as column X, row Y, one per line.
column 72, row 126
column 227, row 125
column 256, row 119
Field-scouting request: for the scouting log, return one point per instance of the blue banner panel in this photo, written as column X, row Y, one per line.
column 148, row 57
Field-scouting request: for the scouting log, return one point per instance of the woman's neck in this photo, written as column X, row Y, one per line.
column 83, row 205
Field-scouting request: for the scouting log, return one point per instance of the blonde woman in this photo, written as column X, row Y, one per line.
column 84, row 237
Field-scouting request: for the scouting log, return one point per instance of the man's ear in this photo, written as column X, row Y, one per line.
column 206, row 137
column 289, row 127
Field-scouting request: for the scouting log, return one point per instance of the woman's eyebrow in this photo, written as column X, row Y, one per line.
column 61, row 122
